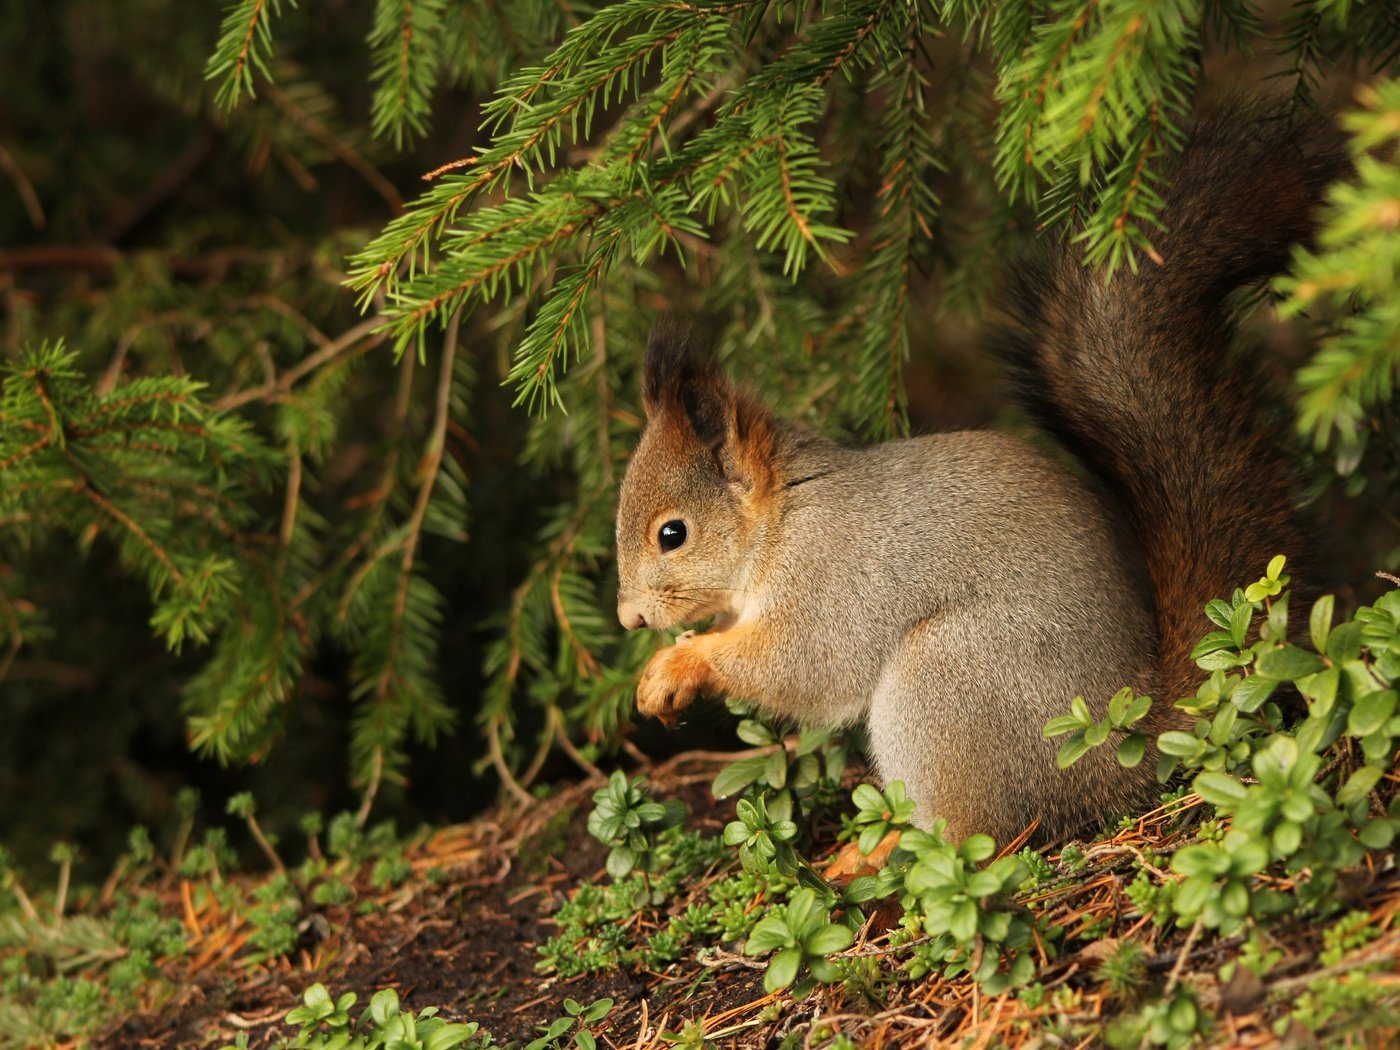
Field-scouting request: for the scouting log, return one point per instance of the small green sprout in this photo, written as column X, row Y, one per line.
column 764, row 838
column 803, row 935
column 626, row 818
column 879, row 812
column 578, row 1019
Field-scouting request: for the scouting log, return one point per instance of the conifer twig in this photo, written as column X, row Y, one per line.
column 338, row 147
column 14, row 641
column 11, row 167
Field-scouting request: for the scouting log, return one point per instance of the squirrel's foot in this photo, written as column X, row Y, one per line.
column 672, row 681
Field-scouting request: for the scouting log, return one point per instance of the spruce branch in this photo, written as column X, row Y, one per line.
column 245, row 45
column 405, row 52
column 1353, row 270
column 13, row 632
column 336, row 144
column 1093, row 100
column 906, row 209
column 395, row 681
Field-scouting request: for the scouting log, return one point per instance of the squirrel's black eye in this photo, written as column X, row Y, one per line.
column 671, row 535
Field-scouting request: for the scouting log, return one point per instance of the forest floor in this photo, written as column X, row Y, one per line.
column 462, row 933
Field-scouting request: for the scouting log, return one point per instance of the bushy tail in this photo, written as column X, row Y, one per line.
column 1136, row 378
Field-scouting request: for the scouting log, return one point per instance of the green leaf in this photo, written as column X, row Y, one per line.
column 963, row 925
column 1359, row 785
column 1288, row 663
column 598, row 1010
column 1072, row 750
column 1344, row 643
column 1220, row 613
column 1377, row 834
column 1234, row 899
column 621, row 861
column 983, row 884
column 1179, row 744
column 1131, row 750
column 871, row 837
column 1286, row 840
column 862, row 889
column 1097, row 734
column 775, row 769
column 1182, row 1014
column 1219, row 789
column 1215, row 642
column 755, row 733
column 736, row 832
column 1251, row 692
column 449, row 1035
column 1240, row 620
column 1320, row 622
column 383, row 1006
column 736, row 776
column 868, row 798
column 995, row 925
column 829, row 940
column 770, row 932
column 1257, row 592
column 1059, row 725
column 1321, row 689
column 1136, row 710
column 977, row 848
column 782, row 970
column 1369, row 713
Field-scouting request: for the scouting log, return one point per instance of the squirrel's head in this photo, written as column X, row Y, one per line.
column 698, row 490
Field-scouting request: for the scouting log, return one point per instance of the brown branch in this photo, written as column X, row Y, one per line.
column 854, row 43
column 1091, row 107
column 112, row 511
column 105, row 257
column 282, row 386
column 15, row 642
column 509, row 160
column 498, row 760
column 432, row 462
column 587, row 666
column 242, row 59
column 55, row 427
column 561, row 736
column 600, row 366
column 339, row 148
column 797, row 218
column 377, row 499
column 1044, row 85
column 25, row 452
column 11, row 167
column 293, row 497
column 406, row 44
column 172, row 178
column 661, row 115
column 567, row 230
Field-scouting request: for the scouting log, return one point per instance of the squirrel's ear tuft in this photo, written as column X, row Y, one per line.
column 681, row 374
column 683, row 385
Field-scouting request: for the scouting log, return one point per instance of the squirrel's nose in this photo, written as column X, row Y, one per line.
column 630, row 616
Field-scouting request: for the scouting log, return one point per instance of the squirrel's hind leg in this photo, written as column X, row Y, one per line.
column 964, row 734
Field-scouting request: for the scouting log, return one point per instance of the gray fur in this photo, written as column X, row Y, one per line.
column 955, row 591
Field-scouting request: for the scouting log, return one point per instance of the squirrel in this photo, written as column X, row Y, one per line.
column 955, row 591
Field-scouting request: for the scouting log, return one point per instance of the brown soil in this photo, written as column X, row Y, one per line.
column 466, row 939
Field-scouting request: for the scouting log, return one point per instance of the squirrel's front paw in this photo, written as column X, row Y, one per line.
column 672, row 681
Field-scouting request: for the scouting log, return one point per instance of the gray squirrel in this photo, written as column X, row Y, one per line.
column 955, row 591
